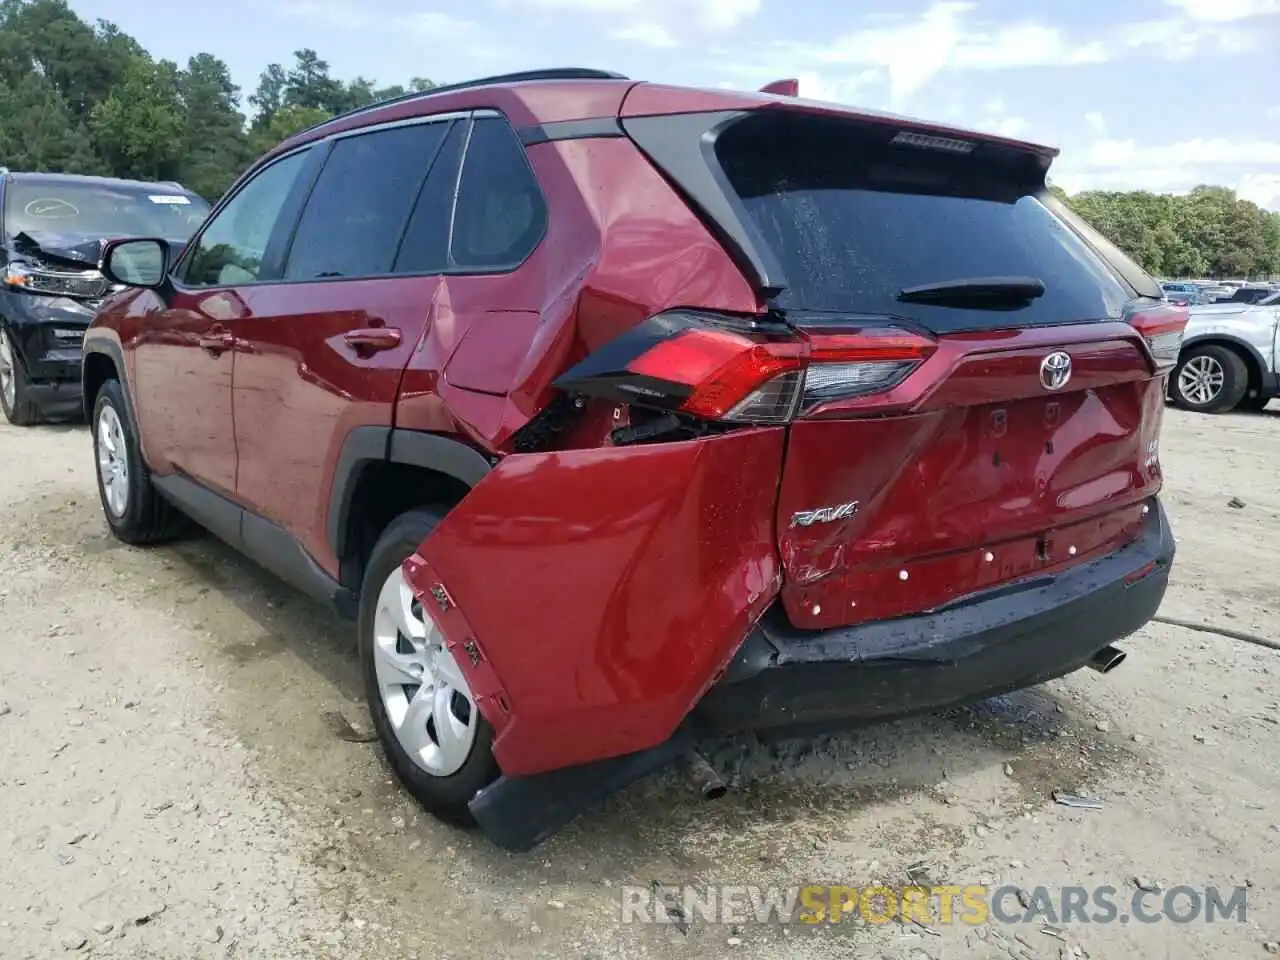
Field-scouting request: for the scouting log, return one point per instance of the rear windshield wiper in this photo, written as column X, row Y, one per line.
column 1005, row 291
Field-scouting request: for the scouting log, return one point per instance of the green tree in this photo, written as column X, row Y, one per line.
column 38, row 131
column 269, row 97
column 284, row 124
column 309, row 85
column 138, row 128
column 215, row 147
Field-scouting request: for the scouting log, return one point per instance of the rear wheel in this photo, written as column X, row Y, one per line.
column 1209, row 379
column 134, row 509
column 422, row 708
column 15, row 387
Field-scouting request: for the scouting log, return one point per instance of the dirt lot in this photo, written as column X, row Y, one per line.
column 171, row 785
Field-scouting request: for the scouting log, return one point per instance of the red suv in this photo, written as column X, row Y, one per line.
column 619, row 414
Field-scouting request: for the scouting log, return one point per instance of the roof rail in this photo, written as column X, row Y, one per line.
column 555, row 73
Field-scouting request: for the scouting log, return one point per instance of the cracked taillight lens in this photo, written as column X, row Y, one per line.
column 704, row 368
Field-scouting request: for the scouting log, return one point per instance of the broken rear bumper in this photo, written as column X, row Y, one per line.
column 1000, row 640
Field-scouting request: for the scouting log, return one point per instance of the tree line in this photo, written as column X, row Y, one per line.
column 77, row 97
column 87, row 98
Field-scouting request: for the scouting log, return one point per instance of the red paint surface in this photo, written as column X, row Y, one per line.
column 605, row 588
column 974, row 456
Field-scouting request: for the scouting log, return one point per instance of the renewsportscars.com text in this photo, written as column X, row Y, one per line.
column 972, row 905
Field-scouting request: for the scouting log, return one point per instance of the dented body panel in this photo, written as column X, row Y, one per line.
column 604, row 590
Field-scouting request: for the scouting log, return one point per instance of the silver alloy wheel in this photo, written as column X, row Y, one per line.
column 113, row 461
column 425, row 696
column 8, row 379
column 1201, row 379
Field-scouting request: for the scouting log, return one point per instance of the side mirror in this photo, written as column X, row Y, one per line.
column 137, row 263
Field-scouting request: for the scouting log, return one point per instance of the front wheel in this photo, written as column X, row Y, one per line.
column 1209, row 379
column 422, row 708
column 134, row 509
column 14, row 386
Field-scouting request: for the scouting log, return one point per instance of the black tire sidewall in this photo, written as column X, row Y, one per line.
column 23, row 413
column 1234, row 385
column 445, row 797
column 133, row 521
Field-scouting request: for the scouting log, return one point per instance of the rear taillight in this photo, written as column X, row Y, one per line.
column 713, row 368
column 1161, row 326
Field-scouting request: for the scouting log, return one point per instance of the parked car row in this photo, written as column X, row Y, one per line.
column 1199, row 292
column 557, row 385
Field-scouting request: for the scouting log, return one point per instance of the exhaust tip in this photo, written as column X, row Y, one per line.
column 702, row 776
column 1107, row 659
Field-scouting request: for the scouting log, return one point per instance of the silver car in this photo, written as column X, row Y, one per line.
column 1230, row 357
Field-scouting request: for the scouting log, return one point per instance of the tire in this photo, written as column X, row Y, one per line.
column 15, row 387
column 1254, row 404
column 1209, row 379
column 445, row 792
column 138, row 515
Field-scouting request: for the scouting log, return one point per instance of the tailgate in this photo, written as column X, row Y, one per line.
column 1021, row 441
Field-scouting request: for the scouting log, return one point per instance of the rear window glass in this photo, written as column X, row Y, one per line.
column 854, row 219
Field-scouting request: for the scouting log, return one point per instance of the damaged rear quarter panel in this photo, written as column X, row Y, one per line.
column 594, row 595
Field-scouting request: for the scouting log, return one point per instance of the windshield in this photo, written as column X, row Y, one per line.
column 93, row 210
column 1271, row 301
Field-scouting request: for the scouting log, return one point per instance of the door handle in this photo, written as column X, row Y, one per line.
column 370, row 340
column 216, row 341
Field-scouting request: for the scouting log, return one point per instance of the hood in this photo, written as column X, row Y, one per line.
column 71, row 249
column 1221, row 309
column 63, row 248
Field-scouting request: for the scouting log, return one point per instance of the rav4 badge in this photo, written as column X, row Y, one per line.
column 841, row 511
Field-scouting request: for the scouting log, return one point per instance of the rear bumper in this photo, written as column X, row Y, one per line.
column 1001, row 640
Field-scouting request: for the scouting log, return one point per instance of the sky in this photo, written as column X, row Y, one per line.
column 1153, row 94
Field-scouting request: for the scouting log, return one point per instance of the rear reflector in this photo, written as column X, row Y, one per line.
column 707, row 368
column 1162, row 326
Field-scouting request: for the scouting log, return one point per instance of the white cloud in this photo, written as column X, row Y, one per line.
column 1225, row 11
column 646, row 34
column 1273, row 113
column 1196, row 152
column 950, row 35
column 847, row 89
column 1262, row 188
column 1097, row 122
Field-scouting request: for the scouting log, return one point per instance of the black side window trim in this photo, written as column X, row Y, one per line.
column 177, row 272
column 468, row 122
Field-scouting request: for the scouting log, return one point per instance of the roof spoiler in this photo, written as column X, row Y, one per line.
column 783, row 88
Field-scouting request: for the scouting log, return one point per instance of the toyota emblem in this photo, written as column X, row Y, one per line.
column 1055, row 370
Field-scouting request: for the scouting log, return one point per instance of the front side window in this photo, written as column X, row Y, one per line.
column 500, row 216
column 231, row 249
column 358, row 209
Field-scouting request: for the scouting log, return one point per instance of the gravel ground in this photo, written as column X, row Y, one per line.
column 172, row 785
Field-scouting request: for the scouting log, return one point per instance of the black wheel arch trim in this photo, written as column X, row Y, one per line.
column 370, row 444
column 110, row 349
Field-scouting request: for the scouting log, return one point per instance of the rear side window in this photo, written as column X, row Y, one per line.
column 361, row 201
column 500, row 215
column 854, row 219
